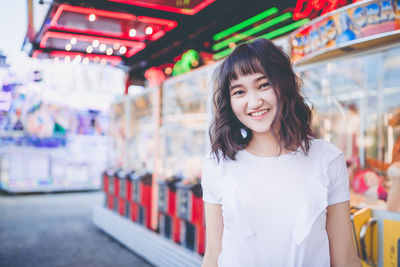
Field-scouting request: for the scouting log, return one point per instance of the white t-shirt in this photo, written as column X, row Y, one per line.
column 274, row 209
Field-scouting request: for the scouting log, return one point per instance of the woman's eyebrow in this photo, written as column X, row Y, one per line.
column 235, row 86
column 260, row 78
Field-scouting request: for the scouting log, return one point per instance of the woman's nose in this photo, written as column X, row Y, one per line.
column 254, row 101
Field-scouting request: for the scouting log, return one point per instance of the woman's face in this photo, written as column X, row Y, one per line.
column 254, row 102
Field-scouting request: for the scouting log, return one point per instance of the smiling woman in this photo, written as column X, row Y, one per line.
column 253, row 102
column 258, row 77
column 269, row 188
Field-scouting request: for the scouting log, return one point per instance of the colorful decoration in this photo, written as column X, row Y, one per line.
column 189, row 60
column 345, row 26
column 314, row 8
column 155, row 76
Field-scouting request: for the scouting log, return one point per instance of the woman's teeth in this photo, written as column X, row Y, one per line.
column 259, row 113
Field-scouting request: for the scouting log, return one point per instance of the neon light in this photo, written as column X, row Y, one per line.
column 298, row 13
column 89, row 11
column 245, row 23
column 157, row 35
column 100, row 32
column 36, row 53
column 114, row 60
column 269, row 35
column 132, row 52
column 222, row 53
column 90, row 39
column 317, row 6
column 166, row 24
column 285, row 29
column 170, row 24
column 252, row 31
column 192, row 11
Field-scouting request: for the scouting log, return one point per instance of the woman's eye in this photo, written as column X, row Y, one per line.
column 239, row 92
column 264, row 85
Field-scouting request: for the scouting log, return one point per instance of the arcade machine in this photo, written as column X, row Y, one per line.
column 190, row 211
column 134, row 129
column 184, row 140
column 168, row 221
column 142, row 151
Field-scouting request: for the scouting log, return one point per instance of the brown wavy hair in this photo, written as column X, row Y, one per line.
column 293, row 113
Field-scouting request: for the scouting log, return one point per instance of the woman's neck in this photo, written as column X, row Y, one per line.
column 264, row 145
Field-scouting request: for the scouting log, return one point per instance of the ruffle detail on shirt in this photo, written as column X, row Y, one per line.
column 309, row 211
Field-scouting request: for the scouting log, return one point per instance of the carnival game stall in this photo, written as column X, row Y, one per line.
column 49, row 147
column 349, row 61
column 131, row 184
column 184, row 143
column 54, row 120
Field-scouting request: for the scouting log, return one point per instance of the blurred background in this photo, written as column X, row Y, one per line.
column 105, row 107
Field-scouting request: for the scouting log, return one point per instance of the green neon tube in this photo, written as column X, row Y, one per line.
column 285, row 29
column 252, row 31
column 222, row 54
column 269, row 35
column 245, row 23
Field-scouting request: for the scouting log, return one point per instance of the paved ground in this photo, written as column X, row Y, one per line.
column 56, row 230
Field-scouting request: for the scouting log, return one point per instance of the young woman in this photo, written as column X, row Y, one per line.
column 273, row 195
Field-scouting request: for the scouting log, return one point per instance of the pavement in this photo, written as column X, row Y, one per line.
column 56, row 230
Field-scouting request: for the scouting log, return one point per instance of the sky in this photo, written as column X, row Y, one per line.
column 13, row 24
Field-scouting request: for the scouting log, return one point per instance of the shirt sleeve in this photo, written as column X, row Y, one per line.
column 210, row 181
column 338, row 190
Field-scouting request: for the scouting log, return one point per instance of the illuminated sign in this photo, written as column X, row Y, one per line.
column 357, row 23
column 83, row 20
column 314, row 8
column 189, row 60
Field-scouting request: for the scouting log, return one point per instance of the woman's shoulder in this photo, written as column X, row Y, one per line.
column 324, row 149
column 212, row 177
column 215, row 160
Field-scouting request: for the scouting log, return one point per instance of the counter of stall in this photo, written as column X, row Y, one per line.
column 77, row 166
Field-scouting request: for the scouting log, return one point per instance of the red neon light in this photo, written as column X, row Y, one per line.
column 87, row 38
column 88, row 11
column 202, row 6
column 157, row 35
column 90, row 56
column 114, row 60
column 104, row 33
column 305, row 8
column 111, row 14
column 36, row 53
column 167, row 8
column 170, row 24
column 132, row 52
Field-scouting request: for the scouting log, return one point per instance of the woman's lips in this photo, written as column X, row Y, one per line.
column 259, row 114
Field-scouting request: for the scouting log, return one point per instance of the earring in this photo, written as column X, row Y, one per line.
column 243, row 133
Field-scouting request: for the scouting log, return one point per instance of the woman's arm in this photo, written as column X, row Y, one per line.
column 341, row 245
column 214, row 228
